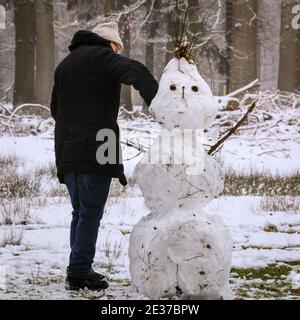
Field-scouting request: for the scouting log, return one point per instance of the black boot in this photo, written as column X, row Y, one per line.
column 90, row 280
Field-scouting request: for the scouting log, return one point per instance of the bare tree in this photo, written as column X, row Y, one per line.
column 269, row 15
column 86, row 9
column 242, row 42
column 153, row 8
column 24, row 89
column 44, row 50
column 125, row 30
column 7, row 49
column 289, row 50
column 110, row 6
column 298, row 65
column 171, row 26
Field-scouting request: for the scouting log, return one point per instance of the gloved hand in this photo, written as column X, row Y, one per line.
column 123, row 180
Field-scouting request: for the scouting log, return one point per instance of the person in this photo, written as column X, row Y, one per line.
column 85, row 99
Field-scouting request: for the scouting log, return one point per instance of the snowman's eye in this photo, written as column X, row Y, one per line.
column 172, row 87
column 195, row 88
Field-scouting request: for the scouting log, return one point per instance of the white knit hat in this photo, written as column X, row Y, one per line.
column 109, row 31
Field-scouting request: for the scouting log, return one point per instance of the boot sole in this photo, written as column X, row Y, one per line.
column 70, row 287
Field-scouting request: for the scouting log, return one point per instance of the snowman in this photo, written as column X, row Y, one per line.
column 179, row 249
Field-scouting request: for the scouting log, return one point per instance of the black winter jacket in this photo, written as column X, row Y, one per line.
column 86, row 98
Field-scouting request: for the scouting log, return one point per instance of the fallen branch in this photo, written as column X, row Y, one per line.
column 24, row 106
column 232, row 131
column 251, row 85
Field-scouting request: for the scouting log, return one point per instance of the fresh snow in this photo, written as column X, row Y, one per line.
column 35, row 269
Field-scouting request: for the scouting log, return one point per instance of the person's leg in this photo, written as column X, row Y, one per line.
column 93, row 192
column 72, row 185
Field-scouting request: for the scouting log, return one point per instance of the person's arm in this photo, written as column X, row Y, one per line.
column 131, row 72
column 53, row 104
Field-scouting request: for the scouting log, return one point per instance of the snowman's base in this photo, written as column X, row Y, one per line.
column 186, row 254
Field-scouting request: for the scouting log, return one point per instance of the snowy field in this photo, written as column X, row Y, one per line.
column 260, row 204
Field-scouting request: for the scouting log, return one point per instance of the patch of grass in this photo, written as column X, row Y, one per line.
column 274, row 271
column 122, row 282
column 112, row 252
column 276, row 204
column 37, row 278
column 131, row 190
column 59, row 191
column 116, row 189
column 39, row 202
column 261, row 184
column 45, row 280
column 13, row 237
column 14, row 185
column 261, row 291
column 15, row 212
column 271, row 228
column 10, row 161
column 265, row 283
column 48, row 169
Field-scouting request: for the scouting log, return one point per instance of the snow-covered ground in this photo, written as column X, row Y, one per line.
column 266, row 230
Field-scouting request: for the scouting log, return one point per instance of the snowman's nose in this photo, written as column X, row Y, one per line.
column 183, row 88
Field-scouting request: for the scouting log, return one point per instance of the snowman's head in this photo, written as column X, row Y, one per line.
column 184, row 100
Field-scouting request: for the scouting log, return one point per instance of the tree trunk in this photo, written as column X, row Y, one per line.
column 269, row 42
column 25, row 52
column 44, row 50
column 126, row 90
column 243, row 46
column 193, row 16
column 110, row 6
column 7, row 51
column 124, row 25
column 149, row 55
column 289, row 50
column 152, row 27
column 86, row 9
column 228, row 39
column 298, row 65
column 171, row 26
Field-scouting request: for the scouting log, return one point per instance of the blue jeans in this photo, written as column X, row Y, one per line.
column 88, row 197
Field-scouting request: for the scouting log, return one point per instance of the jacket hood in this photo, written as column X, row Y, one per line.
column 83, row 37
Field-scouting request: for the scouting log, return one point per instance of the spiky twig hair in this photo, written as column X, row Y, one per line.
column 183, row 43
column 185, row 39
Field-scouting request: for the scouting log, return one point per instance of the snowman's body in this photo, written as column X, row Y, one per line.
column 179, row 249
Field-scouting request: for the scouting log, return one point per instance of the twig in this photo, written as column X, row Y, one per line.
column 131, row 9
column 232, row 131
column 133, row 157
column 131, row 144
column 144, row 22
